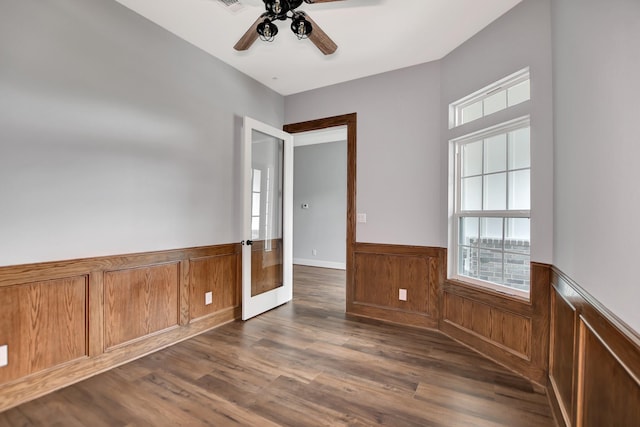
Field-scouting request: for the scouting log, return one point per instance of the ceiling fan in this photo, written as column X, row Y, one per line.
column 301, row 25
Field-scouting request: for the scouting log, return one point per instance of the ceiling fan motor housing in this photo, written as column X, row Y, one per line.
column 278, row 9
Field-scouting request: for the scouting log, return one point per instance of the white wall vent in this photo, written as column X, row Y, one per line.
column 231, row 5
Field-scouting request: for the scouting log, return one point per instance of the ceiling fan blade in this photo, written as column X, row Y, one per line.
column 320, row 38
column 250, row 36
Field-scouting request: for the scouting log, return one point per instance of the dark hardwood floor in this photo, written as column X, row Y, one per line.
column 302, row 364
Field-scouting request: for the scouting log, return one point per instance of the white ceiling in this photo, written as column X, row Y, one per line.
column 373, row 36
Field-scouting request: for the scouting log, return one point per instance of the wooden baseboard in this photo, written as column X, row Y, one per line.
column 319, row 263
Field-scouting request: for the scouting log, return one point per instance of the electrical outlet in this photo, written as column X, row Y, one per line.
column 402, row 296
column 208, row 298
column 362, row 218
column 4, row 355
column 314, row 252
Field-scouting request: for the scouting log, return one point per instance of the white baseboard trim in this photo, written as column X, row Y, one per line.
column 320, row 263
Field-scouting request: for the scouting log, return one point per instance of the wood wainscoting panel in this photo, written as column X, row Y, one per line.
column 43, row 324
column 382, row 270
column 510, row 330
column 562, row 351
column 59, row 317
column 594, row 366
column 266, row 266
column 608, row 391
column 139, row 302
column 219, row 275
column 380, row 278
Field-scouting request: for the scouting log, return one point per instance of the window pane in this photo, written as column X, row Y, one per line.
column 472, row 158
column 495, row 192
column 517, row 236
column 255, row 204
column 472, row 112
column 518, row 229
column 519, row 191
column 490, row 266
column 491, row 229
column 491, row 233
column 468, row 261
column 255, row 227
column 468, row 233
column 495, row 153
column 495, row 102
column 471, row 194
column 519, row 149
column 519, row 93
column 517, row 272
column 257, row 173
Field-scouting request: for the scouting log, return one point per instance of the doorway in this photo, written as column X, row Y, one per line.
column 320, row 198
column 350, row 121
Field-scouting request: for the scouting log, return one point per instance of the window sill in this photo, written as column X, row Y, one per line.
column 483, row 290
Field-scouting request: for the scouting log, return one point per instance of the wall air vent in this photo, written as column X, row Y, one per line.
column 231, row 5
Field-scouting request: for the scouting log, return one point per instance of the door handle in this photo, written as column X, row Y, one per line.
column 248, row 242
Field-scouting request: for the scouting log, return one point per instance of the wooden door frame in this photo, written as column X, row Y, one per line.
column 350, row 121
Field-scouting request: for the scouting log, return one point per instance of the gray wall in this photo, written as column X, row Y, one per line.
column 596, row 53
column 402, row 161
column 399, row 150
column 320, row 179
column 520, row 38
column 115, row 135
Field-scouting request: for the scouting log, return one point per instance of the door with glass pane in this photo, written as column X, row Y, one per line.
column 268, row 196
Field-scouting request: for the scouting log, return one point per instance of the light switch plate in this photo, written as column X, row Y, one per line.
column 402, row 295
column 4, row 355
column 362, row 218
column 208, row 298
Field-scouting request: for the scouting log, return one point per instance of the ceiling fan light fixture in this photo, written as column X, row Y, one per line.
column 301, row 27
column 267, row 30
column 275, row 7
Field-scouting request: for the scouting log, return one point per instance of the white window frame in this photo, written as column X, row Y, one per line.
column 456, row 143
column 455, row 108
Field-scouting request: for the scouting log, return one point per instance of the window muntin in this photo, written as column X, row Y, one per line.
column 492, row 208
column 505, row 93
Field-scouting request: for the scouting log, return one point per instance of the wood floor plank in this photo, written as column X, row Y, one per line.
column 303, row 364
